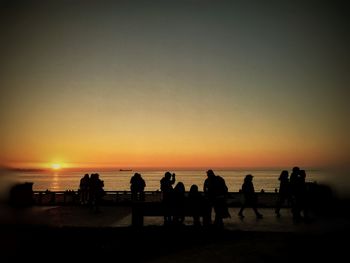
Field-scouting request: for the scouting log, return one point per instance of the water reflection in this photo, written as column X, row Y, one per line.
column 55, row 184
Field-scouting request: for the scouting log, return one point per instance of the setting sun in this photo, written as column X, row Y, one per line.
column 56, row 166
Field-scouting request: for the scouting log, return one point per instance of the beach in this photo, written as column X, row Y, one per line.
column 61, row 232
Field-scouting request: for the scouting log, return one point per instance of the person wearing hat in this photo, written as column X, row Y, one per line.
column 250, row 199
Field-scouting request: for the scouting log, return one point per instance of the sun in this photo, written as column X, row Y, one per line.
column 56, row 166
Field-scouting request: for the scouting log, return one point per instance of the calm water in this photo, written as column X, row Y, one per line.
column 120, row 180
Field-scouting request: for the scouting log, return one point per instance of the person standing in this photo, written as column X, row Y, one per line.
column 166, row 186
column 250, row 199
column 294, row 183
column 137, row 187
column 301, row 197
column 84, row 189
column 215, row 191
column 178, row 203
column 284, row 191
column 96, row 191
column 195, row 200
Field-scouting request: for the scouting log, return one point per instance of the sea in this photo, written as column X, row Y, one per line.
column 116, row 180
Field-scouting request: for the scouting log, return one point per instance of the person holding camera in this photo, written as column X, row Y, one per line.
column 166, row 186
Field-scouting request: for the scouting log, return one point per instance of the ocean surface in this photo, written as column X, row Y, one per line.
column 120, row 180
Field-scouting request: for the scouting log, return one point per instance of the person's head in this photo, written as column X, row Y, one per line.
column 296, row 169
column 180, row 187
column 167, row 175
column 137, row 175
column 86, row 176
column 194, row 188
column 284, row 175
column 210, row 173
column 248, row 178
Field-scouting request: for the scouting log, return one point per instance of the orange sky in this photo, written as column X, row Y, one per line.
column 176, row 85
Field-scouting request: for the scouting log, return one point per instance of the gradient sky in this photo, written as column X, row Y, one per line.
column 164, row 84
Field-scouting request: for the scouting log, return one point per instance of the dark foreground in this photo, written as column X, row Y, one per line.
column 67, row 233
column 160, row 244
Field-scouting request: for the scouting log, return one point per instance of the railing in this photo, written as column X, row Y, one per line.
column 73, row 197
column 70, row 197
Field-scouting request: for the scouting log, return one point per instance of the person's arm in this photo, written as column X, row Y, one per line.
column 162, row 184
column 205, row 186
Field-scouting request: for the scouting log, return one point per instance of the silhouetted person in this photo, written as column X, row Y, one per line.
column 137, row 187
column 195, row 201
column 296, row 183
column 215, row 190
column 96, row 191
column 178, row 203
column 84, row 189
column 293, row 180
column 301, row 196
column 284, row 191
column 166, row 186
column 293, row 186
column 250, row 199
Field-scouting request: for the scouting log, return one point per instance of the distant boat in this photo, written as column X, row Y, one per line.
column 125, row 170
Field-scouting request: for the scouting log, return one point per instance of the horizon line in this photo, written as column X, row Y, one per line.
column 158, row 168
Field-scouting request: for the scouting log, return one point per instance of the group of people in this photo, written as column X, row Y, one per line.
column 91, row 190
column 173, row 198
column 291, row 190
